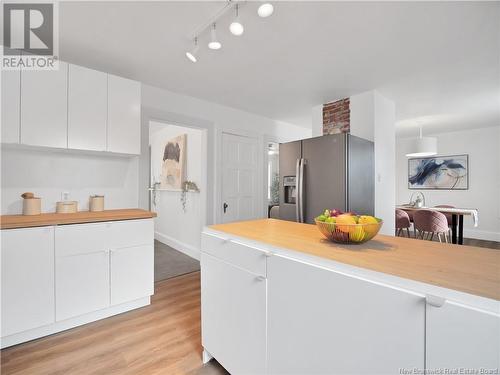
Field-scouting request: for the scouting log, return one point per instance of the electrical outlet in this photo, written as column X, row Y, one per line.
column 65, row 196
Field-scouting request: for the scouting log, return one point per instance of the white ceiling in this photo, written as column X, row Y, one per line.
column 439, row 61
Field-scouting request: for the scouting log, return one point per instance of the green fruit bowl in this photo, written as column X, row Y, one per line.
column 349, row 233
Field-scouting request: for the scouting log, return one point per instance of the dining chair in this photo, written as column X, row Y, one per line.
column 428, row 223
column 448, row 216
column 402, row 222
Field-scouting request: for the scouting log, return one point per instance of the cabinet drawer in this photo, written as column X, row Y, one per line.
column 81, row 239
column 224, row 248
column 131, row 233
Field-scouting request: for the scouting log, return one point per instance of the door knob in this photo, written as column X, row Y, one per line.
column 225, row 207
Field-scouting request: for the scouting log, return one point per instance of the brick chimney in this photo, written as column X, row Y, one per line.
column 336, row 117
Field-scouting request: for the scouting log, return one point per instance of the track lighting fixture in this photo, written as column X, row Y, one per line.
column 265, row 10
column 191, row 55
column 236, row 27
column 214, row 43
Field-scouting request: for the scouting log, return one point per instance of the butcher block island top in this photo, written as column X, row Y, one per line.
column 27, row 221
column 466, row 269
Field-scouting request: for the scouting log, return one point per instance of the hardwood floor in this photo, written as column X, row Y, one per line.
column 163, row 338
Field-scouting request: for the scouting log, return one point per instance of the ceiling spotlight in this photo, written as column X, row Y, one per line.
column 214, row 43
column 236, row 27
column 265, row 10
column 191, row 55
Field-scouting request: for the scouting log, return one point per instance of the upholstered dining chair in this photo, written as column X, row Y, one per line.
column 448, row 216
column 428, row 223
column 402, row 222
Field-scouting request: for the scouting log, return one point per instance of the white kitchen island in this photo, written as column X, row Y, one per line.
column 279, row 299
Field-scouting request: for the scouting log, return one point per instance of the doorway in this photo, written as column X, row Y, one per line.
column 239, row 191
column 177, row 195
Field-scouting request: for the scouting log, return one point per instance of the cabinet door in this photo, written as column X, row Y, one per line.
column 124, row 115
column 44, row 107
column 132, row 273
column 11, row 91
column 233, row 310
column 462, row 337
column 82, row 284
column 87, row 108
column 324, row 322
column 27, row 279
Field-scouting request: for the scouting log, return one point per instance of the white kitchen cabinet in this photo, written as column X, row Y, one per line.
column 325, row 322
column 27, row 279
column 132, row 273
column 459, row 336
column 87, row 108
column 233, row 304
column 82, row 283
column 11, row 100
column 82, row 269
column 44, row 100
column 124, row 115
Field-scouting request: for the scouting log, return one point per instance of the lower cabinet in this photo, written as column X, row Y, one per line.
column 27, row 279
column 132, row 273
column 82, row 284
column 63, row 276
column 102, row 264
column 462, row 337
column 325, row 322
column 233, row 303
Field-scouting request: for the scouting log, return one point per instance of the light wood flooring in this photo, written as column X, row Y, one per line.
column 163, row 338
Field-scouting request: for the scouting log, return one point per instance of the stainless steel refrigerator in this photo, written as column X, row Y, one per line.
column 331, row 171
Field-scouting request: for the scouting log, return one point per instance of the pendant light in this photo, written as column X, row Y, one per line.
column 236, row 27
column 423, row 146
column 214, row 43
column 265, row 10
column 191, row 55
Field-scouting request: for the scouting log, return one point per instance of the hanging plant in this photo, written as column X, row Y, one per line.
column 187, row 186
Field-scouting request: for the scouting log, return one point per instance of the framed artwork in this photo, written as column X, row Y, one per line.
column 173, row 169
column 439, row 173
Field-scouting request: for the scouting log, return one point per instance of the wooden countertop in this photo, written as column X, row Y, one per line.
column 22, row 221
column 466, row 269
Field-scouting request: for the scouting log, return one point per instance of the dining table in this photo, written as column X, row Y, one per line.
column 457, row 218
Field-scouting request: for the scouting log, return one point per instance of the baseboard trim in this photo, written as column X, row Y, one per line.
column 184, row 248
column 18, row 338
column 482, row 235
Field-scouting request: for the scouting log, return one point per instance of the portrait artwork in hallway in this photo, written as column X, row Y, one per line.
column 174, row 163
column 439, row 173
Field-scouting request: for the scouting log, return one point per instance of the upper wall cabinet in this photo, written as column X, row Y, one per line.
column 87, row 109
column 11, row 91
column 72, row 107
column 44, row 107
column 124, row 115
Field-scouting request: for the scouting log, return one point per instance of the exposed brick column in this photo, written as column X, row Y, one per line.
column 336, row 117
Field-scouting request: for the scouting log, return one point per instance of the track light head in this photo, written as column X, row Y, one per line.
column 214, row 43
column 265, row 10
column 236, row 27
column 192, row 55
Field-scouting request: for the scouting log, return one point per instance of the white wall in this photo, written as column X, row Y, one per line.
column 173, row 226
column 373, row 117
column 317, row 120
column 483, row 148
column 48, row 173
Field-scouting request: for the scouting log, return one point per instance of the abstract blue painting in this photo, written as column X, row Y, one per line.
column 439, row 173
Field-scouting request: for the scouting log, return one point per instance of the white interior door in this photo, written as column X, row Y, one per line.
column 240, row 198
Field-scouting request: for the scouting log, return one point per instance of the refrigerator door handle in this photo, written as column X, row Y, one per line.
column 297, row 186
column 301, row 190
